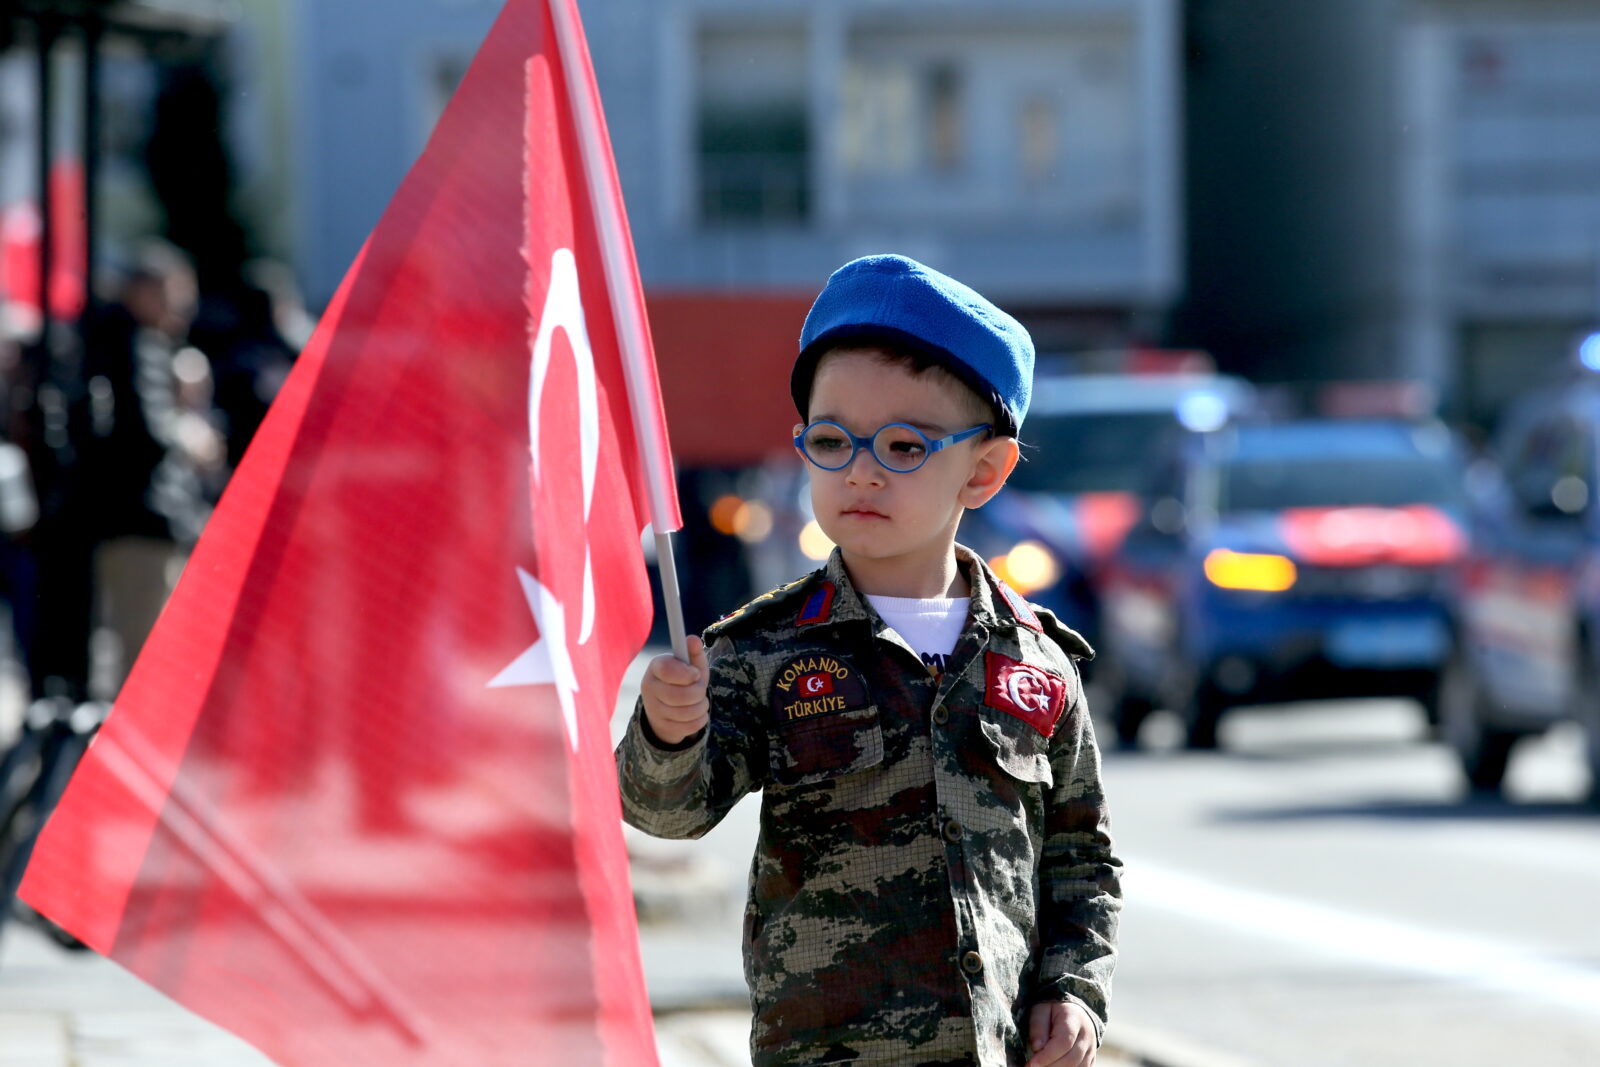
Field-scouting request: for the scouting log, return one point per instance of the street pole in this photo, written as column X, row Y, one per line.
column 47, row 30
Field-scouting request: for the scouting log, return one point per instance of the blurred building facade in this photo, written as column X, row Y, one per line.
column 1383, row 188
column 1500, row 191
column 1029, row 146
column 1368, row 189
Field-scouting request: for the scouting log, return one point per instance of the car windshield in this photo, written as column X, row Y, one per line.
column 1091, row 452
column 1354, row 481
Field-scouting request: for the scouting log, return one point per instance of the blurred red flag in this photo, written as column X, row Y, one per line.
column 356, row 801
column 22, row 229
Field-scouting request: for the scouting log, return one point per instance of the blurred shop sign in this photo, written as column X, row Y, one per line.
column 725, row 360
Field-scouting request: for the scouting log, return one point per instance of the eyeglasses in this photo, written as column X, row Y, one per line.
column 896, row 446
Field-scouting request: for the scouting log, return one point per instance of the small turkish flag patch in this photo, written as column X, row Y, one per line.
column 815, row 685
column 1029, row 693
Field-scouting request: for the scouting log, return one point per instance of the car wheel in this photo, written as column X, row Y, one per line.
column 1128, row 709
column 1483, row 750
column 1129, row 715
column 1586, row 697
column 1429, row 696
column 1202, row 713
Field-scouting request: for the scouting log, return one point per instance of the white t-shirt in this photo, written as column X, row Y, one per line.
column 930, row 627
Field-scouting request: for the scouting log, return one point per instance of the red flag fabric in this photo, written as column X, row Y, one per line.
column 356, row 800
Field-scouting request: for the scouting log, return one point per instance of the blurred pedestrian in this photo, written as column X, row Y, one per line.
column 934, row 881
column 150, row 445
column 251, row 333
column 19, row 510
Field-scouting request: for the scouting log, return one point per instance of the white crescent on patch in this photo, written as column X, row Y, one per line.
column 1027, row 690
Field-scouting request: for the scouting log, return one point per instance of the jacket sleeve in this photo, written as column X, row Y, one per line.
column 1080, row 892
column 683, row 791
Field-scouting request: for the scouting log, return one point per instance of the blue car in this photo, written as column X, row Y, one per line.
column 1285, row 561
column 1089, row 442
column 1527, row 651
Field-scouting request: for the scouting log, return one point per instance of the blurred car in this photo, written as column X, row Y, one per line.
column 1089, row 443
column 1527, row 649
column 1285, row 561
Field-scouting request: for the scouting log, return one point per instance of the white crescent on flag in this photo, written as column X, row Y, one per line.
column 549, row 660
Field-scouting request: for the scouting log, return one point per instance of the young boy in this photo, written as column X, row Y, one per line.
column 934, row 881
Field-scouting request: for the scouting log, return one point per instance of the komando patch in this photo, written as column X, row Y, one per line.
column 815, row 685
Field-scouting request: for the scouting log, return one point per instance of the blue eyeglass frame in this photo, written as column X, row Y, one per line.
column 858, row 443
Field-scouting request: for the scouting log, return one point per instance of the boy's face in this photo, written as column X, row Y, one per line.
column 881, row 518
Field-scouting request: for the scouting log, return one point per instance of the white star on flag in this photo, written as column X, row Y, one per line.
column 547, row 661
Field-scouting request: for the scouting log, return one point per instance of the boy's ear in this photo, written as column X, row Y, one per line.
column 995, row 460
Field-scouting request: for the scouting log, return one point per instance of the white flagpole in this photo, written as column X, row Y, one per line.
column 621, row 281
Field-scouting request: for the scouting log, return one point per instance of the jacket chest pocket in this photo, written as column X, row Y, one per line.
column 1022, row 705
column 824, row 723
column 1019, row 749
column 831, row 746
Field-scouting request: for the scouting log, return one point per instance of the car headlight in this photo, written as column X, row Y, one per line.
column 1027, row 568
column 1256, row 571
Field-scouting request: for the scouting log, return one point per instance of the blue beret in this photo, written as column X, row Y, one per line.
column 894, row 300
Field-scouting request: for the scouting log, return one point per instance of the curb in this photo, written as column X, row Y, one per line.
column 1125, row 1045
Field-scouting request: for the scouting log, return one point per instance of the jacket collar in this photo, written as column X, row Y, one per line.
column 836, row 599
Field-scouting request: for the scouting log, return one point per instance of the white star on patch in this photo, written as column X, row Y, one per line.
column 547, row 661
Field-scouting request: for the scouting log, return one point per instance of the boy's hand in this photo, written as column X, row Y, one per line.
column 1061, row 1035
column 674, row 694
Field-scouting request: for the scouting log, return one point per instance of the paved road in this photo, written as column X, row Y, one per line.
column 1317, row 894
column 1314, row 895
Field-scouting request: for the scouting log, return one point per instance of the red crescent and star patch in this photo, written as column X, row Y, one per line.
column 1029, row 693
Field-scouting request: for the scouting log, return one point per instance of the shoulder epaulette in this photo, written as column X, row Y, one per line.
column 1021, row 610
column 1070, row 640
column 818, row 606
column 756, row 609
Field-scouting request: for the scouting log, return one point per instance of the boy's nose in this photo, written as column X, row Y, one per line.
column 864, row 469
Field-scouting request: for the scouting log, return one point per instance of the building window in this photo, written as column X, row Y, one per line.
column 753, row 164
column 877, row 132
column 992, row 126
column 946, row 143
column 902, row 118
column 1039, row 139
column 753, row 140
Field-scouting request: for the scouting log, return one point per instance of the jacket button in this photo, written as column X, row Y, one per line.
column 941, row 714
column 972, row 963
column 952, row 831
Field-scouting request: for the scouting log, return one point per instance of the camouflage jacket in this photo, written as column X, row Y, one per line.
column 934, row 855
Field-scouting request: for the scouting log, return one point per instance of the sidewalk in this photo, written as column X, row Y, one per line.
column 75, row 1009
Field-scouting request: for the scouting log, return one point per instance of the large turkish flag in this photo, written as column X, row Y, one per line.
column 356, row 801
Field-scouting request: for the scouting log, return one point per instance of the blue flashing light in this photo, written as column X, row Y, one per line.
column 1589, row 351
column 1203, row 411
